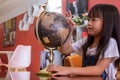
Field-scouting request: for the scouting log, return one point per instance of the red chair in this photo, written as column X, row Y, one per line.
column 3, row 69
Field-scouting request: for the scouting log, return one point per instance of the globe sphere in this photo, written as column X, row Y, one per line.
column 52, row 29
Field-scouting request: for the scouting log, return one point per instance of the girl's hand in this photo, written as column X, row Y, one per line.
column 66, row 48
column 58, row 70
column 69, row 19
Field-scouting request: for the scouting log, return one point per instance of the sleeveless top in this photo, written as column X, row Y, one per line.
column 111, row 52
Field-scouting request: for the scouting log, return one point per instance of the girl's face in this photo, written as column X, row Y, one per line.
column 95, row 26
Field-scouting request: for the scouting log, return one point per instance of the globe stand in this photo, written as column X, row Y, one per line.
column 44, row 72
column 49, row 30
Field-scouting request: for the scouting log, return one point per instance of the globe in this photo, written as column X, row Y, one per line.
column 52, row 29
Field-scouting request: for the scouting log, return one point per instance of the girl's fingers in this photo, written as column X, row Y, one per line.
column 52, row 69
column 69, row 18
column 68, row 14
column 55, row 74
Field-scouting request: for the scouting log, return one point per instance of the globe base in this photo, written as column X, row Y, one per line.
column 44, row 74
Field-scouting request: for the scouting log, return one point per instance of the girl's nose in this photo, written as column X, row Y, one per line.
column 89, row 23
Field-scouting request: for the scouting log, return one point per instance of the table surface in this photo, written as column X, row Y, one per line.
column 29, row 75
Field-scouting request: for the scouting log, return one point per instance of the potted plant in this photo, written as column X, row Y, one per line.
column 78, row 20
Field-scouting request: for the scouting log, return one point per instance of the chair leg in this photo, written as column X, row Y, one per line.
column 22, row 69
column 12, row 69
column 17, row 69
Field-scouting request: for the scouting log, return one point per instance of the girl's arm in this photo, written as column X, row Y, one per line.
column 66, row 48
column 98, row 69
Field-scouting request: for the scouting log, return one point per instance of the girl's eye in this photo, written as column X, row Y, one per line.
column 94, row 19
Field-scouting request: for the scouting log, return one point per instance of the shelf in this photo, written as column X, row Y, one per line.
column 77, row 35
column 84, row 25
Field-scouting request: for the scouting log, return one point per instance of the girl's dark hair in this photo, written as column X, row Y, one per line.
column 111, row 27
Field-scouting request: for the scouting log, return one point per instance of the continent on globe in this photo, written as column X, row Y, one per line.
column 52, row 29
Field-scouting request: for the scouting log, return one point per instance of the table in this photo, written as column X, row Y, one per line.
column 30, row 75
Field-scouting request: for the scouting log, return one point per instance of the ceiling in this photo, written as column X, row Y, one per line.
column 13, row 8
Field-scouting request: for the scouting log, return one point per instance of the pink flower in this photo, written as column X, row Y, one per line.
column 85, row 14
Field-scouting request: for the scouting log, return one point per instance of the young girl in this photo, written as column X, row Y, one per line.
column 100, row 50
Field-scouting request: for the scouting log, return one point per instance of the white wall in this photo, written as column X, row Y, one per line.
column 13, row 8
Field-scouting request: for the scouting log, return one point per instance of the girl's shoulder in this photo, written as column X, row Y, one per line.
column 112, row 50
column 112, row 42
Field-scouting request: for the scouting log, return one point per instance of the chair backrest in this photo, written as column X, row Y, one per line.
column 1, row 62
column 73, row 61
column 21, row 57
